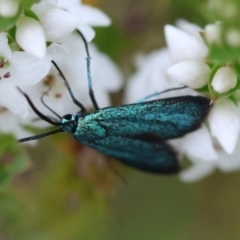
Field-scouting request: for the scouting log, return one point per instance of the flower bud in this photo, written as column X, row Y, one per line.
column 213, row 33
column 233, row 37
column 224, row 79
column 30, row 37
column 9, row 8
column 191, row 73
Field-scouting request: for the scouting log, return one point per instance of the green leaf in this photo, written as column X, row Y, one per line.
column 30, row 13
column 28, row 3
column 224, row 53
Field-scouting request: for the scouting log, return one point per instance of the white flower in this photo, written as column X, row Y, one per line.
column 74, row 12
column 224, row 123
column 30, row 37
column 9, row 8
column 18, row 69
column 188, row 50
column 224, row 79
column 191, row 73
column 70, row 56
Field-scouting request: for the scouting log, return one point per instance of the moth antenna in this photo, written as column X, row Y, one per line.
column 39, row 136
column 41, row 115
column 159, row 93
column 91, row 93
column 83, row 109
column 44, row 94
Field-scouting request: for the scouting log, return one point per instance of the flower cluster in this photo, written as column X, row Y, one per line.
column 187, row 61
column 26, row 52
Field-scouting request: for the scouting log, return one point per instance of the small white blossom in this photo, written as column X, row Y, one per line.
column 18, row 69
column 233, row 37
column 191, row 73
column 9, row 8
column 224, row 79
column 30, row 37
column 213, row 33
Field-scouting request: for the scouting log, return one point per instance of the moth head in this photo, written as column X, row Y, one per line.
column 69, row 123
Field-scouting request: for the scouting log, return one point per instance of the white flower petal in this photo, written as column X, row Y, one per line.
column 94, row 16
column 197, row 171
column 30, row 36
column 41, row 8
column 184, row 46
column 63, row 4
column 224, row 79
column 230, row 162
column 191, row 73
column 151, row 77
column 12, row 99
column 29, row 70
column 89, row 14
column 54, row 18
column 100, row 72
column 71, row 59
column 189, row 27
column 10, row 123
column 5, row 50
column 224, row 123
column 87, row 31
column 9, row 8
column 198, row 144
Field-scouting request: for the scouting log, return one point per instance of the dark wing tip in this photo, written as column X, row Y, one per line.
column 205, row 104
column 172, row 164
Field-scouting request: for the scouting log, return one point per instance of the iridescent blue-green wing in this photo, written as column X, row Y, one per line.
column 153, row 156
column 168, row 118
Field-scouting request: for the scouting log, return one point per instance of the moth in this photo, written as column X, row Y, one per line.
column 135, row 134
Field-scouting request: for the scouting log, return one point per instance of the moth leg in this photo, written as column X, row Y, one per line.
column 158, row 93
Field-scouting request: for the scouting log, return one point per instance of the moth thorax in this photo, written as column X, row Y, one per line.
column 69, row 123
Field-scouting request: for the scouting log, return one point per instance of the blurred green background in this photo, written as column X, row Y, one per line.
column 71, row 192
